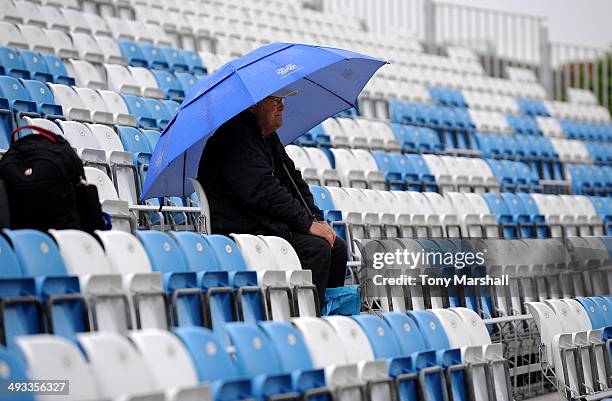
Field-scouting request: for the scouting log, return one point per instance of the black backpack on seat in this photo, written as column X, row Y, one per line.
column 44, row 180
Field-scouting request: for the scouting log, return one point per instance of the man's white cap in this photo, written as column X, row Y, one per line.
column 285, row 92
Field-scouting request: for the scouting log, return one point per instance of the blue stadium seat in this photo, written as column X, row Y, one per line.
column 417, row 166
column 601, row 153
column 139, row 108
column 509, row 146
column 18, row 98
column 531, row 107
column 527, row 228
column 12, row 64
column 488, row 145
column 179, row 282
column 593, row 309
column 294, row 357
column 186, row 80
column 306, row 139
column 393, row 175
column 571, row 129
column 269, row 377
column 323, row 201
column 39, row 258
column 396, row 110
column 526, row 179
column 428, row 141
column 581, row 179
column 427, row 331
column 37, row 65
column 405, row 360
column 605, row 309
column 506, row 181
column 172, row 106
column 505, row 218
column 249, row 297
column 152, row 137
column 447, row 97
column 132, row 53
column 169, row 83
column 58, row 70
column 14, row 371
column 414, row 113
column 158, row 111
column 43, row 97
column 463, row 119
column 175, row 59
column 214, row 365
column 21, row 310
column 603, row 208
column 219, row 295
column 154, row 56
column 319, row 136
column 523, row 125
column 194, row 62
column 6, row 124
column 537, row 218
column 134, row 141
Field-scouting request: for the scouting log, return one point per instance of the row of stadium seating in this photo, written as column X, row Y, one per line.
column 536, row 270
column 357, row 167
column 503, row 95
column 137, row 81
column 359, row 358
column 571, row 329
column 151, row 54
column 74, row 285
column 65, row 283
column 429, row 172
column 445, row 117
column 408, row 214
column 95, row 49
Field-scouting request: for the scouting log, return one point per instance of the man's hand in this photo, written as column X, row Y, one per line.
column 323, row 230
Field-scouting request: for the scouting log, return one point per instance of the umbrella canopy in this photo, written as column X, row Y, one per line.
column 328, row 80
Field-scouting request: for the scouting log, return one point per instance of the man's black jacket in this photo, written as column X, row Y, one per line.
column 246, row 185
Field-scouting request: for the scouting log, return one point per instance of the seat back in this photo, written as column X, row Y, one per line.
column 106, row 189
column 208, row 355
column 198, row 254
column 227, row 252
column 36, row 252
column 406, row 332
column 325, row 347
column 105, row 351
column 166, row 357
column 81, row 252
column 256, row 253
column 51, row 357
column 380, row 335
column 252, row 344
column 163, row 252
column 454, row 327
column 124, row 252
column 431, row 328
column 322, row 197
column 289, row 344
column 356, row 345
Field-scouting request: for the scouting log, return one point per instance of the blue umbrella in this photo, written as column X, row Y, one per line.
column 328, row 80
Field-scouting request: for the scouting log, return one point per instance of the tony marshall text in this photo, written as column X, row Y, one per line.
column 424, row 279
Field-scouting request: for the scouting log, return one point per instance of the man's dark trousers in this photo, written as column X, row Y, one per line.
column 328, row 264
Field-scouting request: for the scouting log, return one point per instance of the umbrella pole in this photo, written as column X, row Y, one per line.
column 312, row 216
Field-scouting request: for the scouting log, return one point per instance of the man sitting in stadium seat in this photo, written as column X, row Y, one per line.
column 253, row 187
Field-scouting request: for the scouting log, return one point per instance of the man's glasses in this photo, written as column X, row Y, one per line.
column 277, row 100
